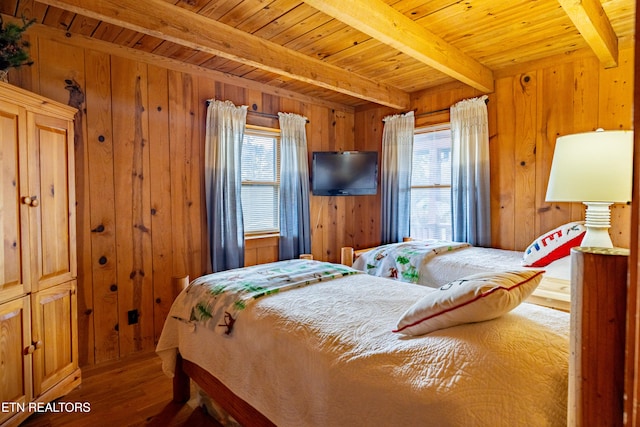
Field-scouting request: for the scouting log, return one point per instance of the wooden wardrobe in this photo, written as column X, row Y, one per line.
column 38, row 313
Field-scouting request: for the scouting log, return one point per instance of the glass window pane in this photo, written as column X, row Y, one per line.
column 260, row 181
column 431, row 158
column 431, row 213
column 260, row 208
column 431, row 168
column 259, row 155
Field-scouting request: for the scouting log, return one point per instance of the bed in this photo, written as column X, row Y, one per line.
column 436, row 262
column 322, row 351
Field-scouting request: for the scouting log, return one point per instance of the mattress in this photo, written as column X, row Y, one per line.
column 324, row 355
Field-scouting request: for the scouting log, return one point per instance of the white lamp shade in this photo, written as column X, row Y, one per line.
column 592, row 167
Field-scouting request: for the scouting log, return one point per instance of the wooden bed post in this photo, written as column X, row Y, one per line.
column 598, row 322
column 346, row 256
column 179, row 283
column 181, row 382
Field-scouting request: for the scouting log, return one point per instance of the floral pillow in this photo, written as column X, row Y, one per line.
column 554, row 244
column 475, row 298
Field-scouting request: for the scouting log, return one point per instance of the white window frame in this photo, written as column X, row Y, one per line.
column 271, row 133
column 429, row 129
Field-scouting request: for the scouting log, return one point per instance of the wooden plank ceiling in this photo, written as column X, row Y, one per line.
column 349, row 51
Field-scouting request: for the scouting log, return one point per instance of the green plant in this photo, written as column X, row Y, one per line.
column 13, row 50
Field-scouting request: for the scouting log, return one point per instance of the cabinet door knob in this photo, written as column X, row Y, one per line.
column 30, row 201
column 38, row 344
column 30, row 349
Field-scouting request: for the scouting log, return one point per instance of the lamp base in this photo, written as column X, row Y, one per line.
column 598, row 222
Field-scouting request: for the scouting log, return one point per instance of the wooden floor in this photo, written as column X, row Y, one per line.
column 133, row 392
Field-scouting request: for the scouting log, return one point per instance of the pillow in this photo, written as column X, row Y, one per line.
column 554, row 245
column 475, row 298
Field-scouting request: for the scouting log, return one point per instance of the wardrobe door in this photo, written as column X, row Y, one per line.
column 52, row 203
column 15, row 356
column 55, row 324
column 14, row 251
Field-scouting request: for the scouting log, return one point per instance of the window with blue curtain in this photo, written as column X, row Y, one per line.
column 431, row 183
column 261, row 180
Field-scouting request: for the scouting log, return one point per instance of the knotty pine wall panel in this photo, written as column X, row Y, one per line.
column 368, row 124
column 534, row 105
column 140, row 194
column 100, row 277
column 615, row 111
column 524, row 108
column 131, row 149
column 160, row 178
column 186, row 136
column 556, row 118
column 502, row 173
column 318, row 133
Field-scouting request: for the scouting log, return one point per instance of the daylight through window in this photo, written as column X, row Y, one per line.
column 260, row 180
column 431, row 184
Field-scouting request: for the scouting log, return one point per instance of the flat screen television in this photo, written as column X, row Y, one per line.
column 344, row 173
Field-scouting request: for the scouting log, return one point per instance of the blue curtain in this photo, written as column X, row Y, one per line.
column 397, row 152
column 470, row 175
column 295, row 223
column 223, row 183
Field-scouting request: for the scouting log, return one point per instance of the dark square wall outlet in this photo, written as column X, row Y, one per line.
column 132, row 316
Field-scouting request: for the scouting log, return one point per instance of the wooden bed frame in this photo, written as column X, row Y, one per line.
column 240, row 410
column 185, row 371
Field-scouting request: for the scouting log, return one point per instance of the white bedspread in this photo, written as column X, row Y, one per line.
column 324, row 355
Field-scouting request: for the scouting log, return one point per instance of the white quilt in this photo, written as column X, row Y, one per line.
column 324, row 355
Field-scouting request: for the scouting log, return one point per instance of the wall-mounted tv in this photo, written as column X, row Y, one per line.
column 344, row 173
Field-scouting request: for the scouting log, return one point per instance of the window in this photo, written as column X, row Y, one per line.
column 261, row 180
column 431, row 184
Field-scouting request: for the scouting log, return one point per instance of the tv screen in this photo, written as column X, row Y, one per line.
column 346, row 173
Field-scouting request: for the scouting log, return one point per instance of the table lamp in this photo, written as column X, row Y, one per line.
column 594, row 168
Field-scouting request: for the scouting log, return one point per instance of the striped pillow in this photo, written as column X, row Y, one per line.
column 554, row 244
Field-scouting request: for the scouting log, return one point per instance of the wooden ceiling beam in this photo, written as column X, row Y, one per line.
column 591, row 21
column 161, row 19
column 387, row 25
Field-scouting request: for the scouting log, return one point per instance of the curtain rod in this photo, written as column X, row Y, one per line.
column 269, row 115
column 442, row 110
column 258, row 113
column 428, row 113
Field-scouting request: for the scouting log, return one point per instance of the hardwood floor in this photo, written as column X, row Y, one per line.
column 132, row 392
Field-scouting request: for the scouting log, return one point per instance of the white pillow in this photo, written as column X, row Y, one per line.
column 554, row 244
column 474, row 298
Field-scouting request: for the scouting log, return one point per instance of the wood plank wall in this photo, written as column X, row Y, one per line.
column 139, row 156
column 532, row 105
column 139, row 147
